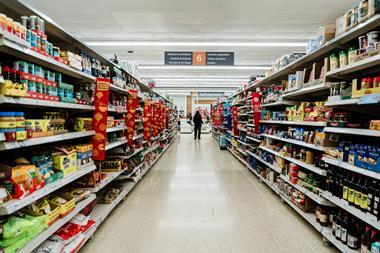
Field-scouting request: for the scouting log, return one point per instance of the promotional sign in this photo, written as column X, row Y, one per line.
column 99, row 124
column 256, row 110
column 148, row 120
column 211, row 94
column 132, row 104
column 235, row 119
column 199, row 58
column 156, row 115
column 178, row 58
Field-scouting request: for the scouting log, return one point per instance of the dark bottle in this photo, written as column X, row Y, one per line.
column 366, row 239
column 370, row 197
column 376, row 200
column 344, row 228
column 353, row 234
column 338, row 226
column 358, row 194
column 329, row 181
column 323, row 217
column 340, row 185
column 333, row 224
column 364, row 201
column 345, row 187
column 351, row 191
column 373, row 239
column 317, row 214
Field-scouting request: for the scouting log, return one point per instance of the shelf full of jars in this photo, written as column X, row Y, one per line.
column 70, row 152
column 319, row 130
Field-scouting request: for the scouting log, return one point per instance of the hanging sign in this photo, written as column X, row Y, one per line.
column 256, row 110
column 199, row 58
column 148, row 120
column 99, row 123
column 235, row 119
column 132, row 104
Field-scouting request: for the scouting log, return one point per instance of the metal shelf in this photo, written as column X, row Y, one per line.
column 43, row 103
column 118, row 89
column 242, row 142
column 279, row 103
column 352, row 101
column 299, row 123
column 241, row 151
column 115, row 144
column 44, row 235
column 123, row 177
column 27, row 54
column 298, row 162
column 307, row 90
column 369, row 219
column 353, row 131
column 271, row 166
column 115, row 129
column 136, row 137
column 318, row 199
column 253, row 139
column 300, row 143
column 14, row 205
column 117, row 109
column 351, row 167
column 151, row 149
column 44, row 140
column 327, row 233
column 355, row 67
column 270, row 184
column 240, row 159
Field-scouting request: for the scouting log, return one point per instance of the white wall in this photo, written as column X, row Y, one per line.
column 180, row 101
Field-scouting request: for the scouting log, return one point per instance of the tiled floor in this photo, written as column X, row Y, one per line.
column 200, row 199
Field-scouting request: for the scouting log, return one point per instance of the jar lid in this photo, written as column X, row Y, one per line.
column 351, row 49
column 7, row 114
column 343, row 52
column 377, row 78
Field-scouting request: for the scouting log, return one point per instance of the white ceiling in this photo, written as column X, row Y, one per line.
column 195, row 21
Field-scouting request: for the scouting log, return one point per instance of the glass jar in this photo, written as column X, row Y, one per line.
column 343, row 58
column 351, row 55
column 334, row 62
column 367, row 83
column 8, row 125
column 376, row 82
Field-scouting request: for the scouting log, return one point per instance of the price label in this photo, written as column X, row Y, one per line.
column 369, row 99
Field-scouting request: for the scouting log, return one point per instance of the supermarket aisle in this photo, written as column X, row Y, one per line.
column 200, row 199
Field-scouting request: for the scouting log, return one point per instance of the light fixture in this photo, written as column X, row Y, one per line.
column 237, row 67
column 201, row 79
column 180, row 76
column 194, row 44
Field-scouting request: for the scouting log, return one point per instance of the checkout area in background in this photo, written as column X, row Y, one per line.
column 186, row 124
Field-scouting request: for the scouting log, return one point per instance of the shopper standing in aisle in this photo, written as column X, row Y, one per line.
column 197, row 125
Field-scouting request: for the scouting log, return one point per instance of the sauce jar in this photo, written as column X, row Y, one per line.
column 3, row 21
column 334, row 62
column 20, row 126
column 367, row 83
column 363, row 10
column 9, row 25
column 372, row 38
column 351, row 55
column 343, row 58
column 8, row 125
column 17, row 29
column 363, row 42
column 376, row 82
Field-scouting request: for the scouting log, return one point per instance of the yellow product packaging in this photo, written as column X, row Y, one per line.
column 49, row 210
column 46, row 125
column 21, row 135
column 65, row 202
column 39, row 125
column 65, row 160
column 81, row 148
column 6, row 88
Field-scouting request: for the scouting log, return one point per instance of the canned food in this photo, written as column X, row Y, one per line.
column 38, row 71
column 39, row 87
column 43, row 43
column 3, row 21
column 56, row 52
column 24, row 20
column 23, row 32
column 38, row 40
column 41, row 24
column 58, row 78
column 17, row 29
column 372, row 38
column 9, row 22
column 32, row 86
column 29, row 36
column 33, row 40
column 32, row 22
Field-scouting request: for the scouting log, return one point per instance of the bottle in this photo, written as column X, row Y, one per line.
column 351, row 191
column 317, row 214
column 358, row 194
column 372, row 240
column 333, row 224
column 353, row 234
column 370, row 198
column 344, row 228
column 340, row 185
column 376, row 200
column 323, row 217
column 331, row 216
column 338, row 226
column 365, row 239
column 345, row 187
column 364, row 201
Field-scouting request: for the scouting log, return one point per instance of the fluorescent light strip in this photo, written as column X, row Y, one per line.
column 156, row 77
column 200, row 79
column 194, row 43
column 203, row 67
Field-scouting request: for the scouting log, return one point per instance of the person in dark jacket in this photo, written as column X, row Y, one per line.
column 197, row 119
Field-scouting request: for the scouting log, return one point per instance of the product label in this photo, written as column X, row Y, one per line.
column 352, row 241
column 343, row 235
column 364, row 202
column 323, row 218
column 345, row 192
column 338, row 232
column 358, row 198
column 363, row 249
column 351, row 195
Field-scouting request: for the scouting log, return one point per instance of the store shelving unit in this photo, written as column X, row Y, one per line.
column 317, row 90
column 18, row 50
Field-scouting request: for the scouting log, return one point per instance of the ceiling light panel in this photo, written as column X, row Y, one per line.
column 193, row 44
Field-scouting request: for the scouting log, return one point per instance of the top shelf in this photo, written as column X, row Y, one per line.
column 335, row 43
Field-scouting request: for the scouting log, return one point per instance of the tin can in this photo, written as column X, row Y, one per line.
column 32, row 86
column 9, row 24
column 32, row 22
column 17, row 29
column 28, row 36
column 24, row 20
column 3, row 21
column 43, row 43
column 23, row 66
column 38, row 41
column 58, row 78
column 39, row 87
column 52, row 76
column 38, row 71
column 56, row 52
column 23, row 32
column 41, row 24
column 31, row 68
column 373, row 38
column 33, row 39
column 49, row 48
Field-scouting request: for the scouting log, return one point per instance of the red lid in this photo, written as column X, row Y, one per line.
column 376, row 79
